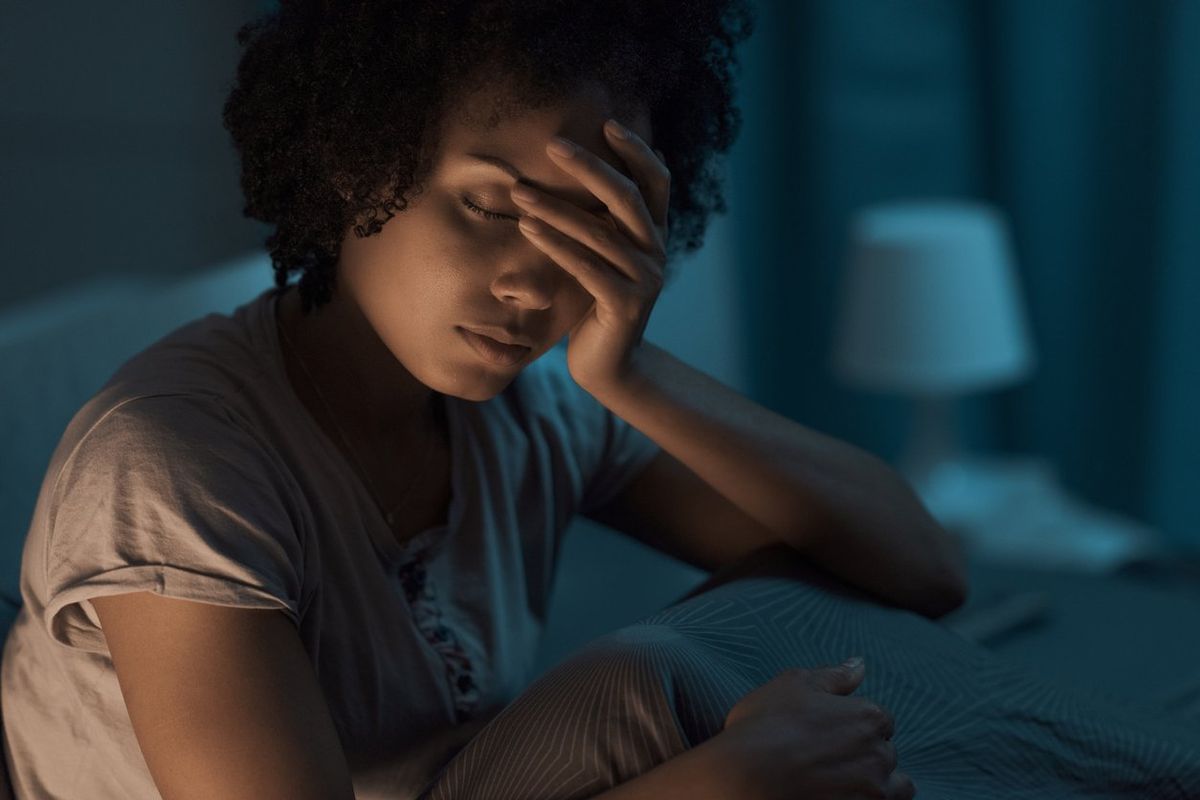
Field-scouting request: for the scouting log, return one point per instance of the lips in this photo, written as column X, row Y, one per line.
column 492, row 350
column 500, row 335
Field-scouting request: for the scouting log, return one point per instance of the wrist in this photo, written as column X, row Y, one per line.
column 726, row 766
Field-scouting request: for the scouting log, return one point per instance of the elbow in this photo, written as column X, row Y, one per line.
column 949, row 582
column 962, row 591
column 951, row 598
column 953, row 584
column 941, row 600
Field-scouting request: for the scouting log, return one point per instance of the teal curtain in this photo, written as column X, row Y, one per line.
column 1080, row 119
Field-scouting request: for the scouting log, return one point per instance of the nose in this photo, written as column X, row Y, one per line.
column 530, row 283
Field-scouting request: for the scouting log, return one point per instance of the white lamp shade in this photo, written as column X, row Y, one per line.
column 930, row 303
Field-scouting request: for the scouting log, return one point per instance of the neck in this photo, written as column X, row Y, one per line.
column 375, row 399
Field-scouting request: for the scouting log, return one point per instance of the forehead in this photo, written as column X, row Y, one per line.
column 520, row 138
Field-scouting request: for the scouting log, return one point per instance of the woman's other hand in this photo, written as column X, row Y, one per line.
column 801, row 734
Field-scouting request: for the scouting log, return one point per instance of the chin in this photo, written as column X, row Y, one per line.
column 481, row 389
column 480, row 396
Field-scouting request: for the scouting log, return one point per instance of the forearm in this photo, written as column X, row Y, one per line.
column 889, row 545
column 699, row 773
column 842, row 507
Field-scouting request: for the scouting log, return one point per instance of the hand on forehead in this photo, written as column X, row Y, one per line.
column 516, row 144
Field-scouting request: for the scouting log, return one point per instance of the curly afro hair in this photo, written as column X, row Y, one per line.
column 385, row 75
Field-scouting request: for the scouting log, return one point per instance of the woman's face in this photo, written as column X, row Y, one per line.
column 442, row 265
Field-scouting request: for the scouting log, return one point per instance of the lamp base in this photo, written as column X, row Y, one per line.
column 1013, row 511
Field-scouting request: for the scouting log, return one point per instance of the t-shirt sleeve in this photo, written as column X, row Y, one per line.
column 169, row 494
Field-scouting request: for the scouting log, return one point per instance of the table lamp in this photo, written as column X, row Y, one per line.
column 930, row 307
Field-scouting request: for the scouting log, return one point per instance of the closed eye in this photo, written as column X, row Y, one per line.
column 483, row 212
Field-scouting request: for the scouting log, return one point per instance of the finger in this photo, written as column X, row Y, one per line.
column 900, row 787
column 888, row 754
column 875, row 715
column 648, row 166
column 666, row 225
column 880, row 718
column 841, row 679
column 887, row 723
column 593, row 232
column 601, row 280
column 622, row 196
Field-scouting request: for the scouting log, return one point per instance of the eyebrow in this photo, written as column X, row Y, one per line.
column 592, row 204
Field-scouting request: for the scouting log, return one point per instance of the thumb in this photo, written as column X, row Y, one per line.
column 842, row 679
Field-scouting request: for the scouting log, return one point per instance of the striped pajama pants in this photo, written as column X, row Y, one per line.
column 969, row 725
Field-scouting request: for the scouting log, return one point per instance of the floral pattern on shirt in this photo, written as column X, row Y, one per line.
column 421, row 594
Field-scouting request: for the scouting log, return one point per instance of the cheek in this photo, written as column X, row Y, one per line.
column 578, row 297
column 575, row 302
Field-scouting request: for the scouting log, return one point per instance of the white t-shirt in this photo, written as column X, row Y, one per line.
column 196, row 472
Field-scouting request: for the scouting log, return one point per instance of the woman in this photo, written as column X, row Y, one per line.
column 305, row 550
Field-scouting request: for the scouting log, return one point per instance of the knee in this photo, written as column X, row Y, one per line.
column 648, row 656
column 639, row 642
column 629, row 673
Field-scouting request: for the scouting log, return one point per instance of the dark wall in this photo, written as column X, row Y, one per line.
column 112, row 154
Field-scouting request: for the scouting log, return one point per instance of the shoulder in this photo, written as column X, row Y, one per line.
column 152, row 422
column 216, row 355
column 160, row 445
column 205, row 383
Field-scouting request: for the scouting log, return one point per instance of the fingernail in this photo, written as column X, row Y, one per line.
column 530, row 225
column 853, row 663
column 561, row 147
column 523, row 192
column 616, row 129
